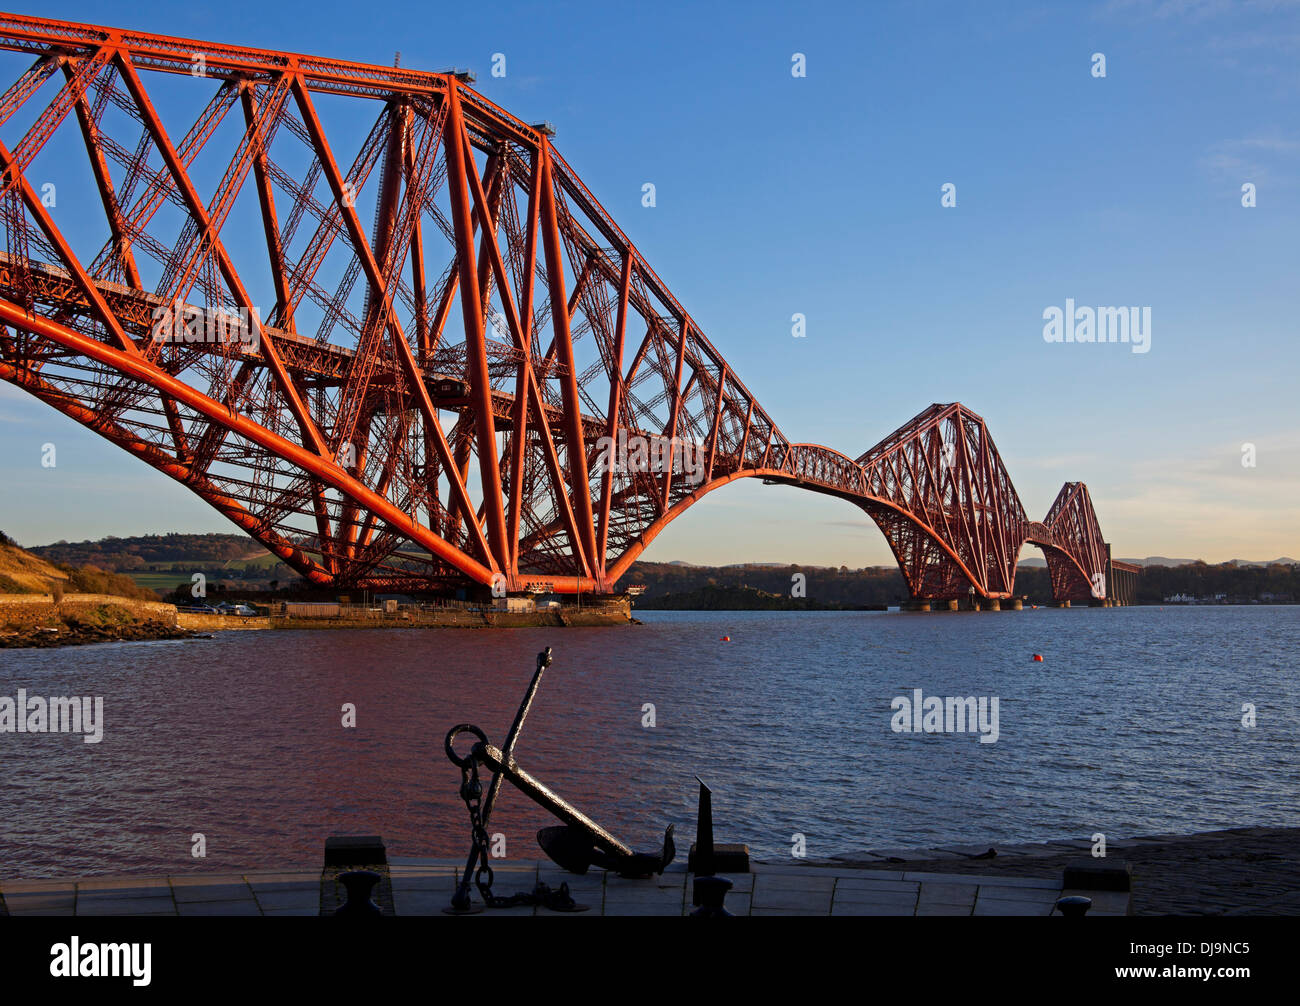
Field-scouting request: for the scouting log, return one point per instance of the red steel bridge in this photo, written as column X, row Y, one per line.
column 416, row 399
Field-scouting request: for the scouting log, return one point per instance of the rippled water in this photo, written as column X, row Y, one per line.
column 1130, row 725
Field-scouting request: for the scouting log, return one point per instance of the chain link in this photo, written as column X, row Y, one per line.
column 471, row 791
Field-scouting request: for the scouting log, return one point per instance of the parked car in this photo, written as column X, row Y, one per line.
column 234, row 608
column 200, row 609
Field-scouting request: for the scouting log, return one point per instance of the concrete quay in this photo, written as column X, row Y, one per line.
column 423, row 886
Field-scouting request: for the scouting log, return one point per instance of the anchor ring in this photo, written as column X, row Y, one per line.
column 449, row 743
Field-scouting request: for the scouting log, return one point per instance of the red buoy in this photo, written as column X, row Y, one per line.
column 1038, row 657
column 726, row 639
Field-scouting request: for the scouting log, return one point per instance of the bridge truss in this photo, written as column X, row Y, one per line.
column 442, row 397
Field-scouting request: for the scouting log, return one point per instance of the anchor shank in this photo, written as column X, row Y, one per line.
column 494, row 760
column 494, row 787
column 507, row 752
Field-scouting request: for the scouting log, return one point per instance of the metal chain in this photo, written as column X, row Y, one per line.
column 471, row 791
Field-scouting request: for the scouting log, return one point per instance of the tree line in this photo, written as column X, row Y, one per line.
column 672, row 585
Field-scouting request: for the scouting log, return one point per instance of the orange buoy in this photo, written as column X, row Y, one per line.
column 726, row 639
column 1038, row 657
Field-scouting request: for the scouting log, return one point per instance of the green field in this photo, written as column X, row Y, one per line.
column 162, row 582
column 165, row 581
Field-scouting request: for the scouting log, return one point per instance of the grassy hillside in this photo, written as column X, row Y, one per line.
column 21, row 572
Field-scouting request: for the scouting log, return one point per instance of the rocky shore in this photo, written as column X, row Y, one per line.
column 82, row 635
column 102, row 625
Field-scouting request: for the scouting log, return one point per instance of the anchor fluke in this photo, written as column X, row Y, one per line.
column 571, row 848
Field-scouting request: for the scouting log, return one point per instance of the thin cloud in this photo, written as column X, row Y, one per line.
column 1191, row 10
column 1260, row 159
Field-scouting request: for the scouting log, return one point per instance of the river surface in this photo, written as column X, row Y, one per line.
column 1131, row 724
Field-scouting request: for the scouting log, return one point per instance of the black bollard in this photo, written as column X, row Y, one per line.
column 359, row 884
column 710, row 894
column 707, row 857
column 1074, row 905
column 703, row 865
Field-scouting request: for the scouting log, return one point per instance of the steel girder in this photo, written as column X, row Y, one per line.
column 940, row 493
column 431, row 399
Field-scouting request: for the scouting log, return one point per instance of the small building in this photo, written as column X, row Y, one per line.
column 524, row 604
column 311, row 609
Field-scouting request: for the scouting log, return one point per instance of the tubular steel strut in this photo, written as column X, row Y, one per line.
column 477, row 215
column 575, row 846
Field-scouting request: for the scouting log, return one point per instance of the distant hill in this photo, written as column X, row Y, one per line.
column 763, row 585
column 669, row 585
column 714, row 598
column 1038, row 562
column 1160, row 560
column 133, row 553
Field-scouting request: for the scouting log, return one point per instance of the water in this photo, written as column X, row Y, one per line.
column 1130, row 725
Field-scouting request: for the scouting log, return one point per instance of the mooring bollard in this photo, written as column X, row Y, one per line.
column 711, row 894
column 1074, row 905
column 359, row 884
column 707, row 857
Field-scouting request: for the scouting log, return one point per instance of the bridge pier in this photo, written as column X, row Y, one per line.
column 995, row 604
column 1121, row 581
column 917, row 605
column 1061, row 604
column 1017, row 604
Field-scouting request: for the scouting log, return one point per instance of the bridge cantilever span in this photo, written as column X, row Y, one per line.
column 425, row 401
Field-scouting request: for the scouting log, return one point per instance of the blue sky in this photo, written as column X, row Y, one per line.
column 821, row 195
